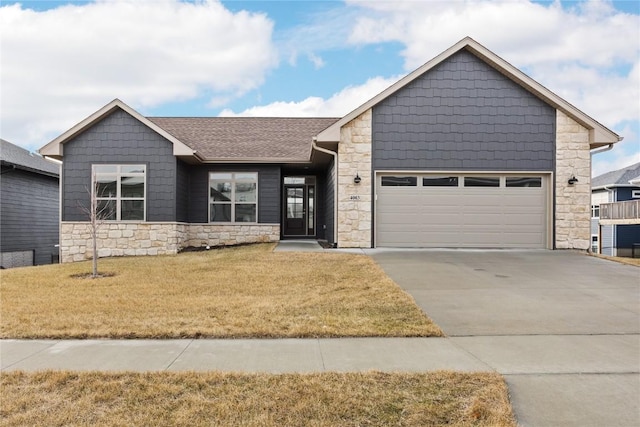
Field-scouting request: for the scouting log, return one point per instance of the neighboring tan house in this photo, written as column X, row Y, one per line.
column 466, row 151
column 29, row 208
column 615, row 237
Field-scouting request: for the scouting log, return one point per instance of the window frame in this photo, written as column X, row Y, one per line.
column 409, row 181
column 595, row 211
column 233, row 180
column 118, row 174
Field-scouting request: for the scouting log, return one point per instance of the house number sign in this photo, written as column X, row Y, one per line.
column 354, row 197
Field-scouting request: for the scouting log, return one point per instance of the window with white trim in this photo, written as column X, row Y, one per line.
column 595, row 247
column 233, row 197
column 120, row 191
column 595, row 211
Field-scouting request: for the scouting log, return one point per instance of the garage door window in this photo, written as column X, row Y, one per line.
column 399, row 181
column 482, row 181
column 524, row 181
column 440, row 181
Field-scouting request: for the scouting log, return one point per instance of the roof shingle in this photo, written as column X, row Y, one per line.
column 246, row 138
column 617, row 177
column 13, row 155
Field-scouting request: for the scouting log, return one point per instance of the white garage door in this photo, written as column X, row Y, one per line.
column 475, row 211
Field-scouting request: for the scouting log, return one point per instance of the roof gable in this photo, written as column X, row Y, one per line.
column 599, row 134
column 55, row 148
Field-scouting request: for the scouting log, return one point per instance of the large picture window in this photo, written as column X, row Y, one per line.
column 233, row 197
column 120, row 191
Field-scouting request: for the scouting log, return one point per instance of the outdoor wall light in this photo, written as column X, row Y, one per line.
column 357, row 179
column 572, row 180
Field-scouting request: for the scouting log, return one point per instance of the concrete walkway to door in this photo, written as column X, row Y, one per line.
column 562, row 327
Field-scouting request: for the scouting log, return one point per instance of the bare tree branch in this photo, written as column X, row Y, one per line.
column 97, row 214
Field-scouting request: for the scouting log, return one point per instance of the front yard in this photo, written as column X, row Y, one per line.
column 247, row 291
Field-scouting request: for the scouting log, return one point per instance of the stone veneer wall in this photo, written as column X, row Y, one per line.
column 127, row 239
column 354, row 200
column 231, row 234
column 573, row 202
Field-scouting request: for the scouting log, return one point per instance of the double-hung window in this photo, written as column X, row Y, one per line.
column 120, row 191
column 233, row 197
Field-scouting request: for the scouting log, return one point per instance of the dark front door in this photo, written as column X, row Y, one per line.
column 295, row 216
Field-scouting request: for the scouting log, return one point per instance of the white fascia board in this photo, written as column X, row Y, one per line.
column 55, row 148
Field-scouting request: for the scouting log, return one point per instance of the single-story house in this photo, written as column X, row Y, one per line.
column 465, row 151
column 29, row 207
column 616, row 186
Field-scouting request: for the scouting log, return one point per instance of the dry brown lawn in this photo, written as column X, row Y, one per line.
column 247, row 291
column 326, row 399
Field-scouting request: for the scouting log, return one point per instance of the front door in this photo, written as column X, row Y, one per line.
column 299, row 216
column 295, row 216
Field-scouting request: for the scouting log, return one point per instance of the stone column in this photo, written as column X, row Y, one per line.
column 354, row 200
column 573, row 202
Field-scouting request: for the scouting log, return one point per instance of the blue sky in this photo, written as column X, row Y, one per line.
column 61, row 61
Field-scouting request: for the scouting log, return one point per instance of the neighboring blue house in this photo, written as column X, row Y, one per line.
column 615, row 186
column 29, row 208
column 465, row 151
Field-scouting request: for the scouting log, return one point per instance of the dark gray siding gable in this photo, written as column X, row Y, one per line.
column 463, row 114
column 268, row 191
column 29, row 213
column 120, row 139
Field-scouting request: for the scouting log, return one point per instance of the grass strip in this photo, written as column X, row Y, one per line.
column 326, row 399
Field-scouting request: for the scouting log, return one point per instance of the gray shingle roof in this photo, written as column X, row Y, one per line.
column 246, row 138
column 13, row 155
column 618, row 177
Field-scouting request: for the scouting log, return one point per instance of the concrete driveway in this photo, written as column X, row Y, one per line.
column 562, row 327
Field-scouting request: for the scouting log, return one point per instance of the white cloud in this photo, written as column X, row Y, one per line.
column 583, row 53
column 317, row 61
column 60, row 65
column 338, row 105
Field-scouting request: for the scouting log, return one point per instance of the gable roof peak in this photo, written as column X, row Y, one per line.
column 599, row 135
column 55, row 148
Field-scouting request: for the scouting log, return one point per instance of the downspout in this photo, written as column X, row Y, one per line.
column 335, row 191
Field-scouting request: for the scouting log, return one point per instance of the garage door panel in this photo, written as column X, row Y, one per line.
column 461, row 216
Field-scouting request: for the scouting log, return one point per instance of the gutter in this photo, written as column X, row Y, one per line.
column 605, row 149
column 335, row 191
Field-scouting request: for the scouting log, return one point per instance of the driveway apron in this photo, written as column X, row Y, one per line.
column 562, row 327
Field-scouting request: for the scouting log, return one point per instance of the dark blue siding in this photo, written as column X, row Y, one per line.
column 627, row 235
column 625, row 193
column 460, row 115
column 120, row 139
column 268, row 191
column 29, row 213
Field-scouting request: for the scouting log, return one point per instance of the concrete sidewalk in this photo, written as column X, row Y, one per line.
column 245, row 355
